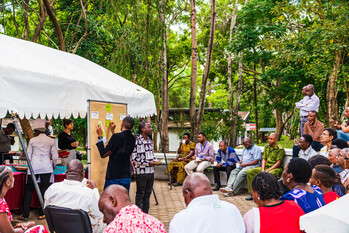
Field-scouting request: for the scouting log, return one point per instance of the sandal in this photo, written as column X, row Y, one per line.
column 22, row 218
column 41, row 217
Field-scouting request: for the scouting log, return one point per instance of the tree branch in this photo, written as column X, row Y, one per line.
column 86, row 28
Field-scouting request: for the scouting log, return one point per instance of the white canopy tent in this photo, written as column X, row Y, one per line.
column 40, row 81
column 36, row 79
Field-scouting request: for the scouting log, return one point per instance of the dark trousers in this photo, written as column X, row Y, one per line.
column 3, row 157
column 216, row 170
column 144, row 184
column 29, row 189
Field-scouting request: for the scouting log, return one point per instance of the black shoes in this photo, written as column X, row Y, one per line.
column 250, row 198
column 217, row 188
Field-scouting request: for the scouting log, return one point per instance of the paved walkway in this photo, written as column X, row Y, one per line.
column 170, row 203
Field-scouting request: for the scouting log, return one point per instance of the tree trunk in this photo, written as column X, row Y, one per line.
column 200, row 113
column 194, row 57
column 230, row 86
column 164, row 83
column 346, row 84
column 256, row 107
column 235, row 113
column 332, row 91
column 56, row 25
column 27, row 129
column 26, row 22
column 42, row 19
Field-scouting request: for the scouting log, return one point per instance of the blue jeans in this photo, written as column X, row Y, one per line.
column 125, row 182
column 342, row 135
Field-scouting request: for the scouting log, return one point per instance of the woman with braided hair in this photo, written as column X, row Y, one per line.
column 272, row 214
column 6, row 183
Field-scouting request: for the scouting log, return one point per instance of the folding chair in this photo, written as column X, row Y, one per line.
column 65, row 220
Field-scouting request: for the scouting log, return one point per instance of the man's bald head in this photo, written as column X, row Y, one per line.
column 75, row 170
column 196, row 185
column 112, row 200
column 272, row 139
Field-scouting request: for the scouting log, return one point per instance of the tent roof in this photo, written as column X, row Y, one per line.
column 36, row 79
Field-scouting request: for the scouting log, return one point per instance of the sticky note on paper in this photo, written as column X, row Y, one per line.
column 109, row 116
column 94, row 115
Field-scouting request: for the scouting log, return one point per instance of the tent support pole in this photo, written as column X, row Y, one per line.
column 163, row 150
column 28, row 161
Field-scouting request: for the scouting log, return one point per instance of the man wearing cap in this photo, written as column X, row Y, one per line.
column 40, row 150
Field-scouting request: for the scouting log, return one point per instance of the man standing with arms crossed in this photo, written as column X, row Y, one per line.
column 144, row 161
column 119, row 151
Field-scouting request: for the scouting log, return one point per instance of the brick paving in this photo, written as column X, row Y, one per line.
column 170, row 202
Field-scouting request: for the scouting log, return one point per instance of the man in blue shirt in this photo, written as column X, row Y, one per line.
column 251, row 157
column 226, row 160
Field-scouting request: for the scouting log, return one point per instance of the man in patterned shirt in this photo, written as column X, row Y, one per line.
column 144, row 161
column 122, row 216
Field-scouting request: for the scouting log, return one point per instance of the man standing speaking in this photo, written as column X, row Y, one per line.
column 119, row 150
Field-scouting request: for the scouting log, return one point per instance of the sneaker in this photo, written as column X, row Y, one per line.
column 250, row 198
column 226, row 190
column 228, row 194
column 217, row 188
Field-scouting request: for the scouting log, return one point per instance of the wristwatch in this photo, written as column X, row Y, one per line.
column 100, row 137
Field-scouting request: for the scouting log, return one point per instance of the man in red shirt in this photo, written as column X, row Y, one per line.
column 122, row 216
column 324, row 177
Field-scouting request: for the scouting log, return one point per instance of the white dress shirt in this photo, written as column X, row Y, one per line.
column 39, row 150
column 75, row 195
column 307, row 104
column 208, row 214
column 307, row 154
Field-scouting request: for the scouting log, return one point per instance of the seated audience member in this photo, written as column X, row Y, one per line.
column 122, row 216
column 272, row 214
column 332, row 157
column 176, row 166
column 343, row 161
column 343, row 129
column 6, row 183
column 205, row 212
column 272, row 161
column 72, row 193
column 204, row 153
column 226, row 160
column 324, row 177
column 304, row 144
column 314, row 128
column 321, row 160
column 296, row 176
column 327, row 136
column 250, row 158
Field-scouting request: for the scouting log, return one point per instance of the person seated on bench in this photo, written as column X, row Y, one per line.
column 72, row 193
column 203, row 155
column 6, row 183
column 343, row 129
column 304, row 144
column 226, row 160
column 251, row 157
column 272, row 161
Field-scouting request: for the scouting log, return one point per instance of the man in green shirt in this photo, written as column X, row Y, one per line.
column 272, row 161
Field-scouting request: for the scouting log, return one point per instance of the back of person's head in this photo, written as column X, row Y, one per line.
column 340, row 143
column 266, row 186
column 128, row 122
column 326, row 175
column 141, row 126
column 319, row 160
column 196, row 185
column 307, row 138
column 66, row 122
column 331, row 133
column 75, row 170
column 11, row 126
column 5, row 174
column 300, row 170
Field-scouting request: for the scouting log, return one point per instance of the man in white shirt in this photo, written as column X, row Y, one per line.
column 72, row 193
column 40, row 150
column 304, row 144
column 205, row 212
column 309, row 103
